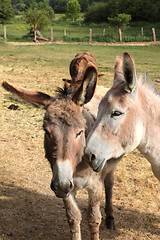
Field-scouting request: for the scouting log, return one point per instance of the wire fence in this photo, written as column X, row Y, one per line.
column 83, row 34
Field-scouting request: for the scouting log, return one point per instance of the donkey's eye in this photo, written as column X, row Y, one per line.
column 47, row 133
column 78, row 134
column 116, row 114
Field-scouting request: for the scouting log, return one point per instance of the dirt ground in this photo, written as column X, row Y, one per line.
column 29, row 210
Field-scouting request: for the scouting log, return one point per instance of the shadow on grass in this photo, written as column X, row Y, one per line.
column 29, row 215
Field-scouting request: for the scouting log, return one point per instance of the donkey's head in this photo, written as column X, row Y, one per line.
column 64, row 126
column 118, row 128
column 64, row 141
column 79, row 67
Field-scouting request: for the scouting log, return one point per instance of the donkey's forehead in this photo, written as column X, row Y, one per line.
column 116, row 95
column 65, row 111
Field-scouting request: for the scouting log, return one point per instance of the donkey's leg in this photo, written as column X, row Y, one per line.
column 109, row 182
column 74, row 217
column 94, row 214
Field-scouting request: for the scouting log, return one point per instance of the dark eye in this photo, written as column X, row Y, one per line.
column 47, row 133
column 78, row 134
column 116, row 114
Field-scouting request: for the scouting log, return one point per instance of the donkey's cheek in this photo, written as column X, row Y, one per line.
column 131, row 136
column 77, row 152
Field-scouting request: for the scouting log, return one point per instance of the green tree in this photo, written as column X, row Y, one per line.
column 38, row 16
column 140, row 10
column 96, row 12
column 121, row 20
column 73, row 9
column 5, row 13
column 84, row 4
column 59, row 6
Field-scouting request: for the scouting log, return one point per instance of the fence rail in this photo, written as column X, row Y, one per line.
column 86, row 35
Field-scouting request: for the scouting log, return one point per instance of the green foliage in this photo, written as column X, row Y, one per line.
column 120, row 21
column 36, row 18
column 73, row 9
column 84, row 4
column 38, row 15
column 76, row 39
column 140, row 10
column 138, row 38
column 18, row 6
column 5, row 11
column 18, row 30
column 59, row 6
column 96, row 13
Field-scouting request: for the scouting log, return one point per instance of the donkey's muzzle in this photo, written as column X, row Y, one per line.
column 90, row 158
column 62, row 189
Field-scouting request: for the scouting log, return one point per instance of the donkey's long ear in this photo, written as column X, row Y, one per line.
column 129, row 72
column 118, row 71
column 86, row 90
column 37, row 98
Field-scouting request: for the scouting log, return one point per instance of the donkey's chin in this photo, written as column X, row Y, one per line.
column 98, row 167
column 62, row 194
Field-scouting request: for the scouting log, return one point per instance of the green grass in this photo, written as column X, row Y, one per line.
column 53, row 59
column 18, row 30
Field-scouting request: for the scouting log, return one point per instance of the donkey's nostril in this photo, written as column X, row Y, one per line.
column 71, row 185
column 93, row 157
column 52, row 186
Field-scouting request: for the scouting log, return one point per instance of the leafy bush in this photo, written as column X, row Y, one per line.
column 107, row 38
column 75, row 39
column 140, row 10
column 96, row 13
column 121, row 20
column 138, row 38
column 73, row 9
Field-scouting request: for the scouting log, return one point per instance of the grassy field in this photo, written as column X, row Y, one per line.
column 18, row 30
column 28, row 208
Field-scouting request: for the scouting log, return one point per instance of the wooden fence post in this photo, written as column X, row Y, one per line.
column 5, row 33
column 142, row 31
column 104, row 32
column 65, row 32
column 154, row 34
column 90, row 35
column 120, row 35
column 52, row 34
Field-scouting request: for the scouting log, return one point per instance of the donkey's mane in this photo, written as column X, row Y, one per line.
column 149, row 86
column 63, row 92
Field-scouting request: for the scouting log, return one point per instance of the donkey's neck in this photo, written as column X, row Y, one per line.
column 150, row 109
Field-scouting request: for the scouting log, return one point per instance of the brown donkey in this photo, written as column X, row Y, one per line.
column 66, row 125
column 128, row 118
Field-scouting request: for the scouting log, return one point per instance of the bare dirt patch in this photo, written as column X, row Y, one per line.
column 93, row 43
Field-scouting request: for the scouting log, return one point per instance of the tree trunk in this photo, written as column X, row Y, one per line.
column 35, row 36
column 35, row 32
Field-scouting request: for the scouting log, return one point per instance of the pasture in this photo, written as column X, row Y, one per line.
column 29, row 210
column 19, row 31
